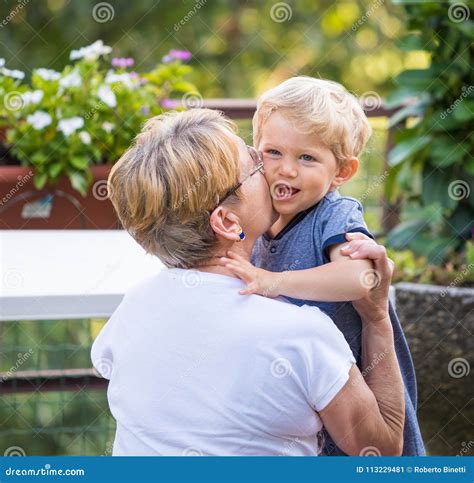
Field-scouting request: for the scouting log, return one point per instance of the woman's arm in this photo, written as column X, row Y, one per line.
column 368, row 414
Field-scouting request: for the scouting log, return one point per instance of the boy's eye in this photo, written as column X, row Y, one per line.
column 273, row 152
column 307, row 157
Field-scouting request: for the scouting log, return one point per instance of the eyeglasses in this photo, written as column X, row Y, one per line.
column 257, row 158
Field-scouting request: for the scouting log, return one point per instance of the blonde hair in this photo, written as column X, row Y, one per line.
column 166, row 183
column 320, row 107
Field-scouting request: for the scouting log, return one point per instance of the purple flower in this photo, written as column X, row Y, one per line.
column 181, row 54
column 168, row 103
column 122, row 62
column 175, row 54
column 145, row 110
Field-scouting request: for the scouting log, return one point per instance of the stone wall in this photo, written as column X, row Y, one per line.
column 439, row 326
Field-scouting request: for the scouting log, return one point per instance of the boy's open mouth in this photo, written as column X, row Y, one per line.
column 282, row 191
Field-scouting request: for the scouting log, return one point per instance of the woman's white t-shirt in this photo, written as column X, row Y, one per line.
column 195, row 368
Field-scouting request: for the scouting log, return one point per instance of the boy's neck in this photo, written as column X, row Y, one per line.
column 276, row 228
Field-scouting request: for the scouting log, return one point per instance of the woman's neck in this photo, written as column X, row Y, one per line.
column 214, row 265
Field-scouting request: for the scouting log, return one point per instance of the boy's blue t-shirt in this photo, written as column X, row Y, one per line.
column 304, row 243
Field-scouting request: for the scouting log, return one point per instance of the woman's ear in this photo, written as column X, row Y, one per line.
column 225, row 224
column 345, row 172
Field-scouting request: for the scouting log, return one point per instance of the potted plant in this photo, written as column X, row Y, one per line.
column 63, row 130
column 432, row 171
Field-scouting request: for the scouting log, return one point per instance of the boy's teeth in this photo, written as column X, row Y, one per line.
column 282, row 191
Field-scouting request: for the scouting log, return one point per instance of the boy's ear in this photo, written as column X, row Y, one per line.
column 225, row 224
column 345, row 172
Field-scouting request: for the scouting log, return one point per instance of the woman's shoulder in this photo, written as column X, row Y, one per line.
column 281, row 315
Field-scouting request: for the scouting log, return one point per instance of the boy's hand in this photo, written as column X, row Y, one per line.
column 258, row 281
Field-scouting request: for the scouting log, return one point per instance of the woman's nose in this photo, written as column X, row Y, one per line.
column 287, row 168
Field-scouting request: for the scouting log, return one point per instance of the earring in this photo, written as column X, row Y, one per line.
column 241, row 235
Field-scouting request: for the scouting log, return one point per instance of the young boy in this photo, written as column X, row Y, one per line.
column 310, row 133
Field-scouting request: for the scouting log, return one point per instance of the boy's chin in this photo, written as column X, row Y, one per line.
column 286, row 209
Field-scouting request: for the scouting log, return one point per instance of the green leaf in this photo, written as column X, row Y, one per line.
column 40, row 180
column 445, row 152
column 79, row 162
column 410, row 42
column 415, row 109
column 461, row 221
column 39, row 157
column 408, row 148
column 401, row 236
column 55, row 169
column 464, row 111
column 435, row 249
column 79, row 182
column 466, row 27
column 436, row 189
column 401, row 96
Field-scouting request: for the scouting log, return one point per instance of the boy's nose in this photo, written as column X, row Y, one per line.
column 287, row 168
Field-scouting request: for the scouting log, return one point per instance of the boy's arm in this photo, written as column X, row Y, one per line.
column 343, row 279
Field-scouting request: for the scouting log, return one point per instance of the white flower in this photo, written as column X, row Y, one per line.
column 68, row 126
column 16, row 74
column 106, row 95
column 32, row 97
column 48, row 74
column 2, row 62
column 126, row 79
column 91, row 52
column 85, row 137
column 39, row 120
column 107, row 126
column 71, row 80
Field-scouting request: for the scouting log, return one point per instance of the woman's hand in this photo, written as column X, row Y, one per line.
column 374, row 307
column 258, row 281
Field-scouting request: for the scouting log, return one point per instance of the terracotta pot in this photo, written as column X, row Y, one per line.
column 55, row 207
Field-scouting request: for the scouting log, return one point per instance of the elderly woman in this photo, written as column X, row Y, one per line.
column 196, row 368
